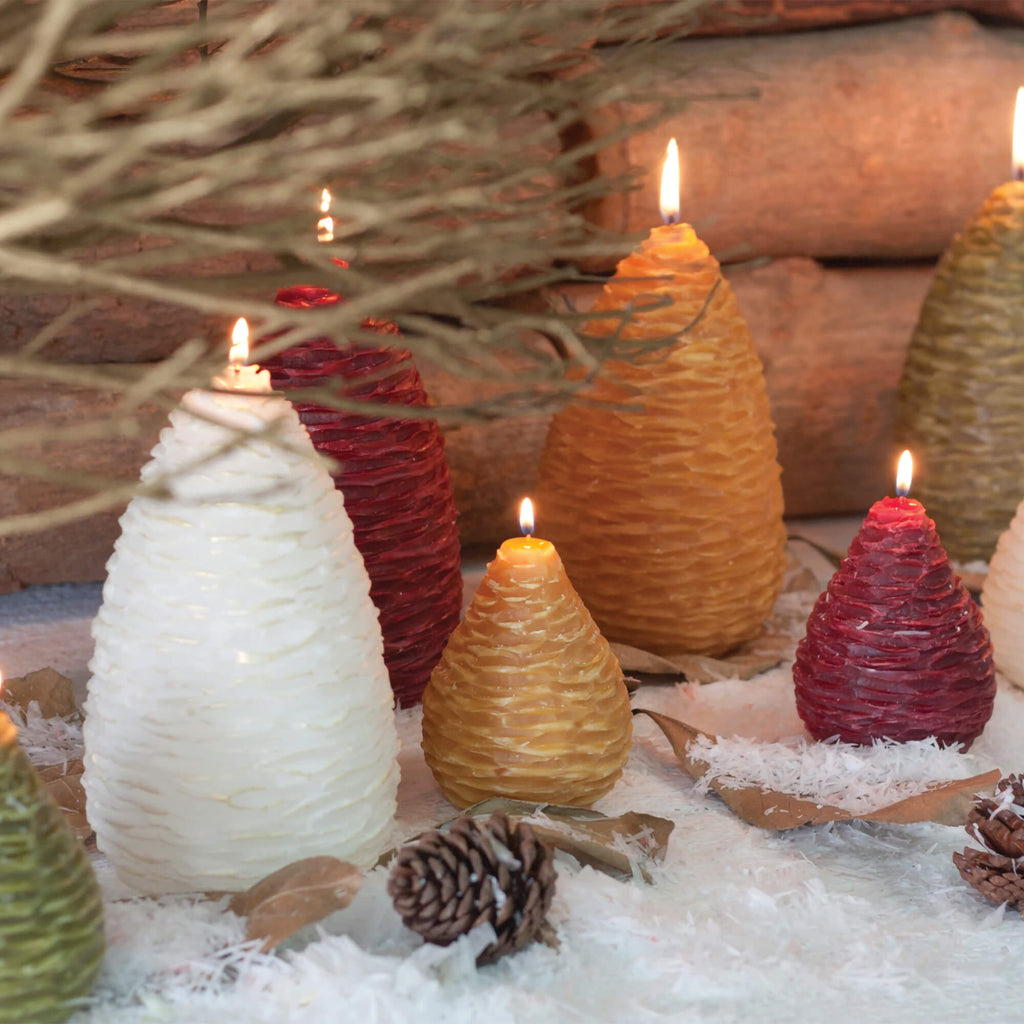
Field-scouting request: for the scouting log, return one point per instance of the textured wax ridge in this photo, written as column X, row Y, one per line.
column 397, row 488
column 51, row 911
column 669, row 518
column 239, row 716
column 1002, row 599
column 528, row 700
column 895, row 647
column 961, row 398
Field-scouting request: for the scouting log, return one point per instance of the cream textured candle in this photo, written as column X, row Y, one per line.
column 1002, row 601
column 239, row 715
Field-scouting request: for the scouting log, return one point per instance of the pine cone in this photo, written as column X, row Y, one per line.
column 998, row 824
column 475, row 873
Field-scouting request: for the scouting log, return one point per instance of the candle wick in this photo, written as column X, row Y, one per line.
column 671, row 218
column 1018, row 172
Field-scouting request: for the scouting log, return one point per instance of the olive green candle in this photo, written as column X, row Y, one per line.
column 961, row 399
column 51, row 918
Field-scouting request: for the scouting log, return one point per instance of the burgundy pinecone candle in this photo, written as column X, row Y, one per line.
column 895, row 646
column 398, row 492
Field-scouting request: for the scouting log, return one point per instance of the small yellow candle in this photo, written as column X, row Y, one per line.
column 662, row 489
column 528, row 700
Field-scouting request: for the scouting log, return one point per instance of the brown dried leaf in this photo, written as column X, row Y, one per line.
column 749, row 660
column 46, row 685
column 946, row 802
column 295, row 896
column 592, row 838
column 64, row 783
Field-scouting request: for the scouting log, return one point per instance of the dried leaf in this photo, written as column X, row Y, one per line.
column 749, row 660
column 64, row 782
column 594, row 839
column 46, row 685
column 833, row 557
column 295, row 896
column 946, row 802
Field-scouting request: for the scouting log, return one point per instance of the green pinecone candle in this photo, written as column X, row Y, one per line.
column 51, row 914
column 961, row 400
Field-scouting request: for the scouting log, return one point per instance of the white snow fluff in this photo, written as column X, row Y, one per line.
column 239, row 715
column 45, row 740
column 853, row 778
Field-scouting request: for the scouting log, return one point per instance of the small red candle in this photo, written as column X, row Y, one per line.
column 895, row 647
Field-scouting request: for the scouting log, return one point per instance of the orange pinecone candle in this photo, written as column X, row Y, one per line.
column 669, row 515
column 528, row 700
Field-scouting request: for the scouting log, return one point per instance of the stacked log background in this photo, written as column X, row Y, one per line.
column 827, row 164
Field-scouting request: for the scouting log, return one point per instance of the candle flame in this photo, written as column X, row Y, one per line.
column 904, row 474
column 526, row 517
column 670, row 185
column 239, row 343
column 325, row 225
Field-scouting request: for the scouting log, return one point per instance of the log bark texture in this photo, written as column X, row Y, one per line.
column 871, row 142
column 832, row 341
column 754, row 17
column 78, row 550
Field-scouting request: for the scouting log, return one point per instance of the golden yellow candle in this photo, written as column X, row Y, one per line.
column 668, row 509
column 528, row 700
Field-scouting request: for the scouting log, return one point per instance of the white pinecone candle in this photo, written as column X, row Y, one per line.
column 239, row 715
column 1002, row 601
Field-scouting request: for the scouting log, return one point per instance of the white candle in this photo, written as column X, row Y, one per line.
column 1002, row 601
column 239, row 715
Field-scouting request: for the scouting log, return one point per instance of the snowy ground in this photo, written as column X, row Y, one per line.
column 846, row 922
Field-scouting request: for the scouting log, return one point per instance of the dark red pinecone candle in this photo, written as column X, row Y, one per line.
column 895, row 647
column 398, row 492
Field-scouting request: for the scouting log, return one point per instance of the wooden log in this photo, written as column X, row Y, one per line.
column 832, row 341
column 77, row 550
column 753, row 17
column 873, row 142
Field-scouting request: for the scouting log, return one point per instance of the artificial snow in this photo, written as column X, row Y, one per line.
column 853, row 778
column 45, row 740
column 847, row 921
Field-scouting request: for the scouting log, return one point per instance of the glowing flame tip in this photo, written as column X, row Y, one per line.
column 1018, row 136
column 239, row 352
column 526, row 517
column 670, row 185
column 325, row 225
column 904, row 474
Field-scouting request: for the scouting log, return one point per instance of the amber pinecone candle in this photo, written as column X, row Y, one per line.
column 961, row 397
column 669, row 514
column 528, row 700
column 51, row 914
column 895, row 646
column 397, row 489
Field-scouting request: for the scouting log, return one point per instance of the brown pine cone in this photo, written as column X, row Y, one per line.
column 450, row 882
column 998, row 824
